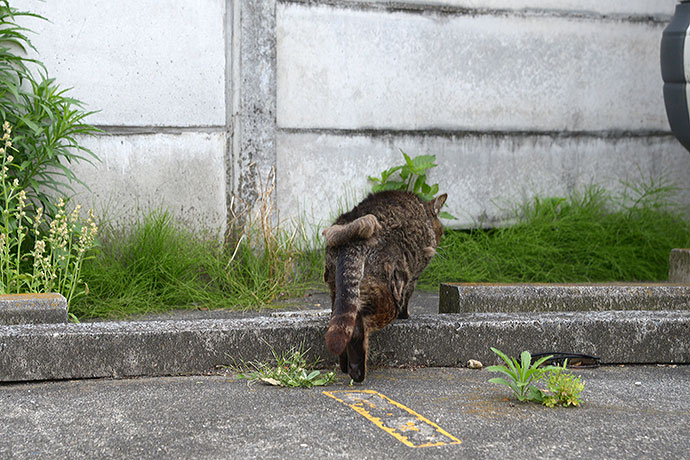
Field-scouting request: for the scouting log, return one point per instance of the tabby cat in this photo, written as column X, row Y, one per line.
column 374, row 255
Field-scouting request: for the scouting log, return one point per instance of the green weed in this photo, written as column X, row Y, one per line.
column 521, row 375
column 159, row 265
column 563, row 388
column 29, row 261
column 410, row 176
column 291, row 370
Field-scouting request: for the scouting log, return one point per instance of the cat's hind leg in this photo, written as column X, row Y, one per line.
column 356, row 352
column 343, row 362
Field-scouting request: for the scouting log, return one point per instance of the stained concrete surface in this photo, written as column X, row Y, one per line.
column 627, row 412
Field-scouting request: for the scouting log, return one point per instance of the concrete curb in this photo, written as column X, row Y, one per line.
column 154, row 348
column 477, row 297
column 32, row 309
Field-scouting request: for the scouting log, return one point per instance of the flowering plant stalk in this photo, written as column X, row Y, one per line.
column 54, row 264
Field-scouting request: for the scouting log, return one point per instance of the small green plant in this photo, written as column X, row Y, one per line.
column 54, row 264
column 521, row 375
column 290, row 370
column 411, row 176
column 563, row 388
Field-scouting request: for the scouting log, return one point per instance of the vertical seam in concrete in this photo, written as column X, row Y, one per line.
column 233, row 102
column 685, row 66
column 254, row 99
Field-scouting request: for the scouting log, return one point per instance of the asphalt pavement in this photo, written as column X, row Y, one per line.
column 630, row 412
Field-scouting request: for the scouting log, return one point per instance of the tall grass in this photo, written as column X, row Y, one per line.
column 160, row 265
column 585, row 237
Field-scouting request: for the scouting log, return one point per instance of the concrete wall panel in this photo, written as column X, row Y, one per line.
column 183, row 173
column 140, row 62
column 484, row 175
column 343, row 68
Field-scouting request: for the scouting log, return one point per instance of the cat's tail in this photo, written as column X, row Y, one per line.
column 348, row 275
column 361, row 228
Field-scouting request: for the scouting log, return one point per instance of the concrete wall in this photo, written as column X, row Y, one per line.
column 157, row 75
column 515, row 97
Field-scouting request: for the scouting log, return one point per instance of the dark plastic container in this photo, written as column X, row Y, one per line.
column 675, row 71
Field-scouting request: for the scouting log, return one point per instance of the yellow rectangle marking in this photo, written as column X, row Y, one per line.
column 401, row 422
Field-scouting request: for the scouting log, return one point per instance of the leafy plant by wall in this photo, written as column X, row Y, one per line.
column 46, row 121
column 410, row 176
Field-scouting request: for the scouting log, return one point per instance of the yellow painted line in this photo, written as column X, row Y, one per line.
column 401, row 422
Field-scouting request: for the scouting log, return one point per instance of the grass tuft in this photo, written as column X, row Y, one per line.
column 159, row 265
column 291, row 370
column 586, row 237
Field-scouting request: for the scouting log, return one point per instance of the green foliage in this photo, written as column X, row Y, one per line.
column 563, row 388
column 411, row 176
column 159, row 265
column 521, row 375
column 46, row 120
column 291, row 370
column 54, row 264
column 585, row 237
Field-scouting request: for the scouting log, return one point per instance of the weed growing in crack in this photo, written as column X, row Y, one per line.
column 291, row 370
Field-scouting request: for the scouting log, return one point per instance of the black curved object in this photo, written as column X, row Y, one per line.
column 575, row 360
column 675, row 71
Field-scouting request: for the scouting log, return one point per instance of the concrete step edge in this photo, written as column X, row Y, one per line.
column 155, row 348
column 481, row 297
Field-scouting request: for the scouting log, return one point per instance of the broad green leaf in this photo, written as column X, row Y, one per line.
column 408, row 161
column 507, row 360
column 388, row 172
column 394, row 185
column 500, row 381
column 419, row 183
column 526, row 361
column 535, row 394
column 422, row 163
column 509, row 372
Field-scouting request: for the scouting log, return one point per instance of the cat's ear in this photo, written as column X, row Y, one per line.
column 438, row 203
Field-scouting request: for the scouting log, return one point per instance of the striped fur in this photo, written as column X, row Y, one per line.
column 349, row 271
column 374, row 255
